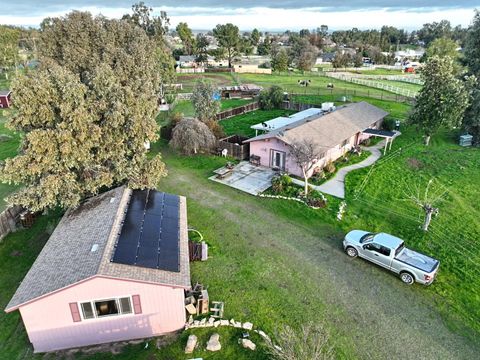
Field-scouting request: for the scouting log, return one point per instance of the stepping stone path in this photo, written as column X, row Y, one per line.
column 191, row 343
column 214, row 343
column 249, row 344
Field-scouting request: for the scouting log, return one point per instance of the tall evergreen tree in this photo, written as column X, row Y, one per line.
column 442, row 100
column 229, row 42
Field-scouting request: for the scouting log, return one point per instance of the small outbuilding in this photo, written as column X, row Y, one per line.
column 241, row 91
column 116, row 268
column 5, row 99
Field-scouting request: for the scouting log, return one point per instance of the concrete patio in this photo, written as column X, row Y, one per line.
column 248, row 178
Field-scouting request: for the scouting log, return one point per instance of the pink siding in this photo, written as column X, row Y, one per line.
column 262, row 148
column 50, row 325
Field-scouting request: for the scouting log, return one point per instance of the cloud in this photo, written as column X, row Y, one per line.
column 266, row 15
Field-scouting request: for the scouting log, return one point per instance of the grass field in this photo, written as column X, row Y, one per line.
column 218, row 79
column 454, row 234
column 276, row 262
column 318, row 84
column 240, row 124
column 401, row 85
column 396, row 109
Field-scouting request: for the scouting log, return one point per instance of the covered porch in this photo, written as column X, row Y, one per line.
column 387, row 135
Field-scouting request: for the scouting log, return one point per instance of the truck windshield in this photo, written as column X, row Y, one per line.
column 399, row 249
column 366, row 238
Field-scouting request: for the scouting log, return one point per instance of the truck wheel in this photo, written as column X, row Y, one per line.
column 352, row 252
column 407, row 278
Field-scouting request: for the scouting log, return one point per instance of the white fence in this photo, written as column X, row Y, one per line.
column 371, row 83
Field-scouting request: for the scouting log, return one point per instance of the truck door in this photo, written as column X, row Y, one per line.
column 377, row 254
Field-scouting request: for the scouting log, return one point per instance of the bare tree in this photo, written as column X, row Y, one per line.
column 310, row 343
column 306, row 154
column 427, row 201
column 192, row 136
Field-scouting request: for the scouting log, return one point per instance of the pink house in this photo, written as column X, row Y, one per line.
column 115, row 268
column 334, row 133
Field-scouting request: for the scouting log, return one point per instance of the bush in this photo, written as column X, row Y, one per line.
column 215, row 128
column 316, row 199
column 271, row 98
column 329, row 167
column 192, row 136
column 175, row 118
column 280, row 183
column 389, row 124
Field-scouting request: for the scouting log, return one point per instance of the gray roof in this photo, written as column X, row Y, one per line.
column 328, row 130
column 187, row 58
column 5, row 92
column 67, row 258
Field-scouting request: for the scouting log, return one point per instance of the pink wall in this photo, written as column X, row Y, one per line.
column 50, row 326
column 262, row 148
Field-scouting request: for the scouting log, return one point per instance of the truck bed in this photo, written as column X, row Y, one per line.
column 417, row 260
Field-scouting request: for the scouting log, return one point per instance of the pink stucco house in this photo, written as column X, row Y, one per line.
column 115, row 268
column 334, row 133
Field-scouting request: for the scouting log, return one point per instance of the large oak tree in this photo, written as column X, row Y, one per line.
column 86, row 113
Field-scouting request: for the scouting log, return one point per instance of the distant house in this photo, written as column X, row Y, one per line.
column 190, row 61
column 5, row 98
column 409, row 54
column 333, row 132
column 250, row 69
column 327, row 57
column 115, row 268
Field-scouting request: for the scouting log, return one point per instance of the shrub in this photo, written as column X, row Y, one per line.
column 316, row 199
column 329, row 167
column 175, row 118
column 215, row 128
column 280, row 183
column 271, row 98
column 192, row 136
column 389, row 124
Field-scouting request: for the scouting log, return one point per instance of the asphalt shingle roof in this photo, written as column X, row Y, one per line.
column 67, row 257
column 328, row 130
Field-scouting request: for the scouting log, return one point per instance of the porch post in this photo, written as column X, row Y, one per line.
column 385, row 149
column 391, row 141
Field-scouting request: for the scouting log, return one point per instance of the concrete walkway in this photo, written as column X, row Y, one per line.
column 336, row 185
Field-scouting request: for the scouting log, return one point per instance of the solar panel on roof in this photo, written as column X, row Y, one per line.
column 150, row 233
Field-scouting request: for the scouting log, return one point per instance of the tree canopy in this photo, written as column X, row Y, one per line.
column 204, row 102
column 229, row 42
column 186, row 35
column 442, row 100
column 86, row 113
column 192, row 136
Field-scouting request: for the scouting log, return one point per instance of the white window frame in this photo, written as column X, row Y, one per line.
column 117, row 301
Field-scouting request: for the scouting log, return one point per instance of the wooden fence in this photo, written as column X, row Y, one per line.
column 235, row 147
column 9, row 220
column 237, row 111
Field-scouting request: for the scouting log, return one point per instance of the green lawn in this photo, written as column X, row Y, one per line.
column 318, row 84
column 401, row 85
column 278, row 262
column 396, row 109
column 454, row 237
column 240, row 124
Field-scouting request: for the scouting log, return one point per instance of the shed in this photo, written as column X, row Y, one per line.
column 241, row 91
column 116, row 268
column 5, row 99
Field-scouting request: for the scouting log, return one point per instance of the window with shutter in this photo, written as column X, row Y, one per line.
column 75, row 312
column 137, row 306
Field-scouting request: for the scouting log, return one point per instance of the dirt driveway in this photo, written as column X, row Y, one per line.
column 378, row 315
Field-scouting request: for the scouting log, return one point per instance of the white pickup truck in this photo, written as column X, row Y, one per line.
column 390, row 252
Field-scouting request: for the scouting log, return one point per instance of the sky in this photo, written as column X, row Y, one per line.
column 273, row 15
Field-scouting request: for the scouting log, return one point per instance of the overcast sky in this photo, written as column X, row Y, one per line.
column 265, row 15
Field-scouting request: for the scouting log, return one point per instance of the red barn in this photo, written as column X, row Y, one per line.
column 5, row 98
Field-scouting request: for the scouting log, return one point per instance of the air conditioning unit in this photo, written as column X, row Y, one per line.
column 328, row 106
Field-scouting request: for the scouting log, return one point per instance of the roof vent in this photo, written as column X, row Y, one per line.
column 112, row 200
column 94, row 248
